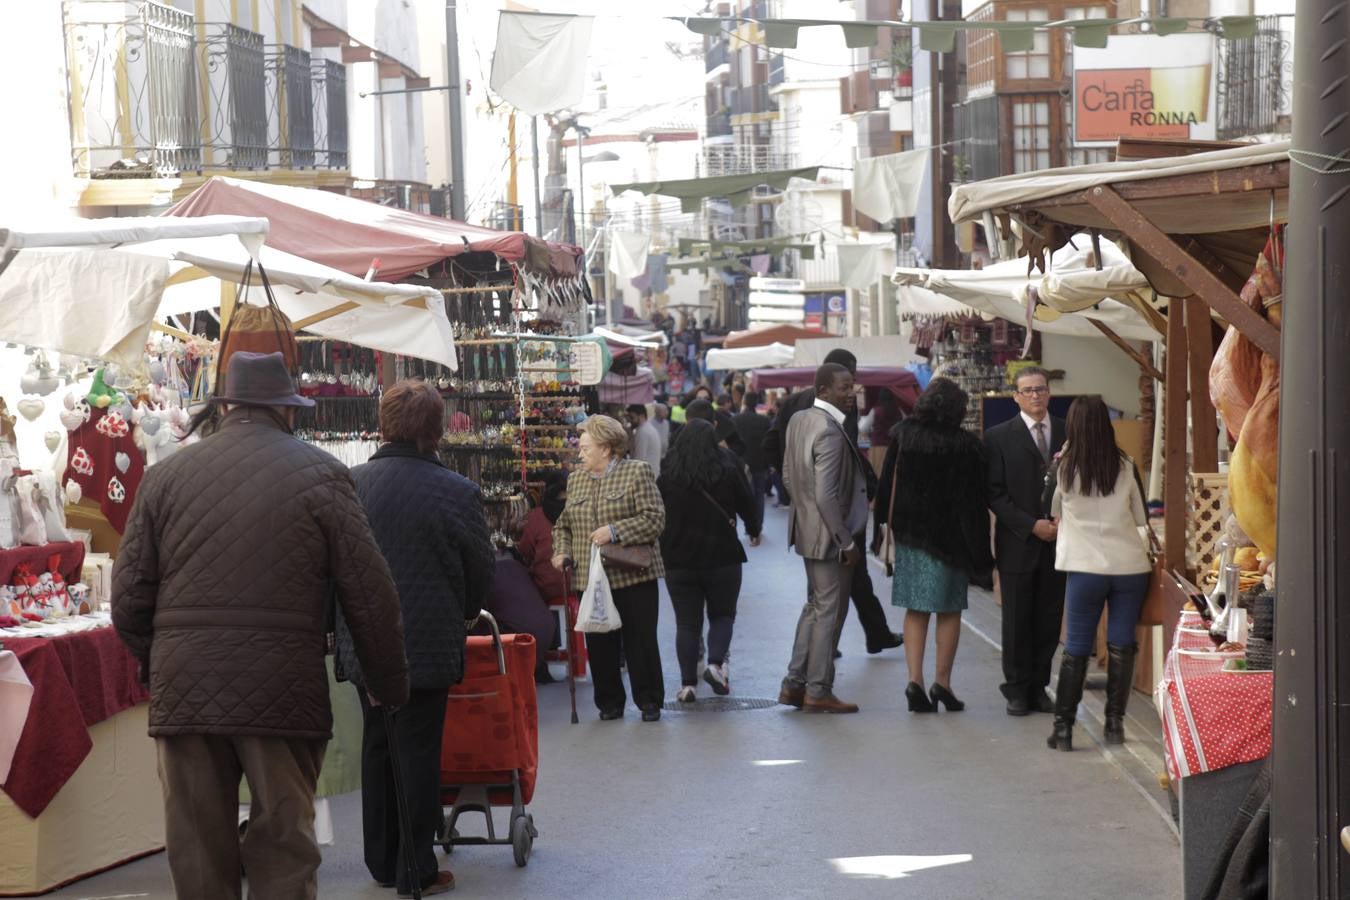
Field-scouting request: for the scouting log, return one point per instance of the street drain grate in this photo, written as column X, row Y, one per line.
column 720, row 704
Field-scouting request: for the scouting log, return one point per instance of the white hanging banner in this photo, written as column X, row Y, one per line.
column 628, row 253
column 539, row 64
column 887, row 187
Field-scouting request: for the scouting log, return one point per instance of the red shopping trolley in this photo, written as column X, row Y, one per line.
column 490, row 743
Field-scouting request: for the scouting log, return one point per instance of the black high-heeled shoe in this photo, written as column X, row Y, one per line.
column 942, row 696
column 918, row 700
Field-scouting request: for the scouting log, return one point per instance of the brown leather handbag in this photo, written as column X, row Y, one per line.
column 636, row 558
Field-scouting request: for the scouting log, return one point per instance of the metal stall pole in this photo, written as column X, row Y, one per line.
column 1310, row 799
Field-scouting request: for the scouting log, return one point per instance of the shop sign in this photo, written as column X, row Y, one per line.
column 814, row 322
column 587, row 362
column 1117, row 95
column 836, row 304
column 777, row 284
column 815, row 303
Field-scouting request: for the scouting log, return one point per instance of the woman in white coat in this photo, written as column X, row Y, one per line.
column 1099, row 509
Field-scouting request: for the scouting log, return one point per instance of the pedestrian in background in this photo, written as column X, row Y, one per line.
column 939, row 522
column 428, row 522
column 1099, row 509
column 825, row 474
column 612, row 500
column 752, row 426
column 661, row 422
column 223, row 589
column 1018, row 452
column 646, row 441
column 703, row 493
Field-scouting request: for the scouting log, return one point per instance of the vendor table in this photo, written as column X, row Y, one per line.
column 83, row 791
column 1216, row 729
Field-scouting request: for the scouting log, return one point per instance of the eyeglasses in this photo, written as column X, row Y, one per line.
column 1033, row 391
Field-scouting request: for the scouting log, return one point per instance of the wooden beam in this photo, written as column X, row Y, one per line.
column 1155, row 243
column 169, row 329
column 1174, row 440
column 1234, row 280
column 1131, row 351
column 390, row 68
column 415, row 82
column 338, row 310
column 1200, row 355
column 356, row 54
column 1267, row 177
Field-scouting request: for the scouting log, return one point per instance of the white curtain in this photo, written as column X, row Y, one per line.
column 539, row 64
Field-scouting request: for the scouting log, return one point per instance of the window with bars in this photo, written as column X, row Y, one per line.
column 981, row 55
column 1031, row 134
column 1034, row 63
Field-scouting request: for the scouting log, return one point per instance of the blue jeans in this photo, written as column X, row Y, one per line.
column 1084, row 595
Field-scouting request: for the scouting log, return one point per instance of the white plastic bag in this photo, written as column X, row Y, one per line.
column 597, row 612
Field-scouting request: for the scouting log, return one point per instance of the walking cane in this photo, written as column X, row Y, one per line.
column 568, row 639
column 404, row 817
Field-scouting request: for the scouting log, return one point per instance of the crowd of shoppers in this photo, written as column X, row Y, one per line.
column 402, row 565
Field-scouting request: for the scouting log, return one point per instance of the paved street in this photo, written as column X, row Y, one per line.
column 772, row 803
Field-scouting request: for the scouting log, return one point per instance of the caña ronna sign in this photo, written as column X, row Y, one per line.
column 1115, row 97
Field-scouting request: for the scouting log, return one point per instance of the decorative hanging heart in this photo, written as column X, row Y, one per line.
column 123, row 462
column 71, row 419
column 53, row 440
column 28, row 382
column 150, row 423
column 116, row 492
column 73, row 492
column 158, row 375
column 31, row 407
column 123, row 408
column 68, row 401
column 112, row 425
column 81, row 462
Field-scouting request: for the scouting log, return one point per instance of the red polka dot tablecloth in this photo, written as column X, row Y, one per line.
column 1211, row 719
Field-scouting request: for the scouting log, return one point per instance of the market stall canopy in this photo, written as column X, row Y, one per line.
column 406, row 319
column 626, row 389
column 1195, row 223
column 1073, row 285
column 774, row 334
column 736, row 188
column 739, row 359
column 628, row 336
column 63, row 287
column 346, row 233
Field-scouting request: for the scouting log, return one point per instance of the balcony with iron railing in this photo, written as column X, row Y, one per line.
column 745, row 160
column 719, row 124
column 1253, row 82
column 153, row 93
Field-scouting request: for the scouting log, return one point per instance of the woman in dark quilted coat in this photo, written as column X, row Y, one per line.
column 429, row 524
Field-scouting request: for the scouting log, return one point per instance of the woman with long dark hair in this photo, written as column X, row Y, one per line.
column 1099, row 509
column 939, row 521
column 704, row 488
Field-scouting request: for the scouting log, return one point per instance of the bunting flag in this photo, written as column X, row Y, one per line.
column 539, row 63
column 940, row 36
column 736, row 188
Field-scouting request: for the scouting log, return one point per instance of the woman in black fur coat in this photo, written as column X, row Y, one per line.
column 939, row 522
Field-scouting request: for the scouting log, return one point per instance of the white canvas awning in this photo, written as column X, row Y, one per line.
column 1073, row 285
column 99, row 293
column 1174, row 215
column 743, row 358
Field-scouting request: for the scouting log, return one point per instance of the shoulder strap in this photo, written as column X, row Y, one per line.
column 711, row 499
column 889, row 541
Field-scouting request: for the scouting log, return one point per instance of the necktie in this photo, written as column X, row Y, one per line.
column 1041, row 443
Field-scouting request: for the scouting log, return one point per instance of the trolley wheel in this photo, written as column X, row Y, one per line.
column 522, row 839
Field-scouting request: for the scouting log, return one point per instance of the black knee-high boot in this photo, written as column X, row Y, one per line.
column 1068, row 691
column 1119, row 678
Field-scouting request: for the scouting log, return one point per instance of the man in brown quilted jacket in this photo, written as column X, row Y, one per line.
column 235, row 550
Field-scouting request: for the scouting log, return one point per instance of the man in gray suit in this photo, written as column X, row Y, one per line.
column 829, row 505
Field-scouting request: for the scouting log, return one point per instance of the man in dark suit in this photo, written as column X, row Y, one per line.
column 1018, row 452
column 870, row 614
column 752, row 426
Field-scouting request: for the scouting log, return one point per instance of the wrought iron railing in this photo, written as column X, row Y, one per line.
column 236, row 124
column 330, row 113
column 733, row 160
column 1252, row 87
column 290, row 121
column 131, row 75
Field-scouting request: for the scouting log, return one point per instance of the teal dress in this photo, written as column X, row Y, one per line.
column 923, row 583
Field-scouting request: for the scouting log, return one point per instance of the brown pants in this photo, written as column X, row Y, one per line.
column 200, row 774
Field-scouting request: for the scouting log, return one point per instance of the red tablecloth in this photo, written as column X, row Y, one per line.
column 1211, row 718
column 78, row 680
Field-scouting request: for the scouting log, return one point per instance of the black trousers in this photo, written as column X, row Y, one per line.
column 870, row 614
column 638, row 606
column 419, row 727
column 1033, row 610
column 691, row 590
